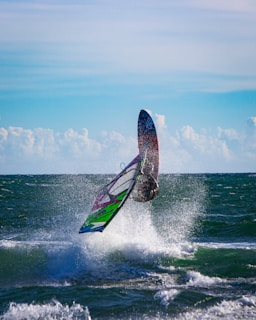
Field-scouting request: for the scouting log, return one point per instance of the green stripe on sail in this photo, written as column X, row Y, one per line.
column 106, row 213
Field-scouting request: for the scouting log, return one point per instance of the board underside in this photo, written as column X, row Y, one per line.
column 148, row 142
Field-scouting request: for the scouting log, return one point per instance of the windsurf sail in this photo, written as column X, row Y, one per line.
column 139, row 177
column 111, row 198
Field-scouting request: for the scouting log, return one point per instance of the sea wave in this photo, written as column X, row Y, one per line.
column 196, row 279
column 186, row 255
column 49, row 311
column 241, row 308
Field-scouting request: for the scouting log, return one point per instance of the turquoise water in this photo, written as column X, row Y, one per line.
column 189, row 254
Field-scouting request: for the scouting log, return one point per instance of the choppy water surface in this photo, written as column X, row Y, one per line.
column 189, row 254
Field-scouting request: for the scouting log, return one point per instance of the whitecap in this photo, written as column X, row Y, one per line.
column 166, row 296
column 242, row 308
column 48, row 311
column 195, row 278
column 226, row 245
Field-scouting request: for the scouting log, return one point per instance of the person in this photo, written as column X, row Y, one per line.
column 146, row 187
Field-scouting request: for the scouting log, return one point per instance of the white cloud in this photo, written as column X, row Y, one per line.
column 116, row 149
column 197, row 152
column 27, row 143
column 251, row 123
column 251, row 137
column 3, row 135
column 160, row 122
column 227, row 150
column 229, row 134
column 39, row 149
column 78, row 144
column 43, row 150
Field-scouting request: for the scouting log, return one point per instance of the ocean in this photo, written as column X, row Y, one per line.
column 188, row 254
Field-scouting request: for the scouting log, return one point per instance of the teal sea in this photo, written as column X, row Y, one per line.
column 188, row 254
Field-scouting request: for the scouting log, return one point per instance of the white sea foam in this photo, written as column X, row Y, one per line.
column 233, row 245
column 133, row 233
column 139, row 232
column 50, row 311
column 195, row 278
column 33, row 243
column 166, row 296
column 243, row 308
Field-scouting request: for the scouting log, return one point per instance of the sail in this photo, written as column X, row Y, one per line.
column 111, row 198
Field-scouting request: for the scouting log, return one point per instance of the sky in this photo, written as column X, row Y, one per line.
column 75, row 74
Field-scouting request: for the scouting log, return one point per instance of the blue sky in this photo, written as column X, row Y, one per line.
column 75, row 74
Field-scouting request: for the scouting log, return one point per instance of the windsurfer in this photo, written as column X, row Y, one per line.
column 146, row 187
